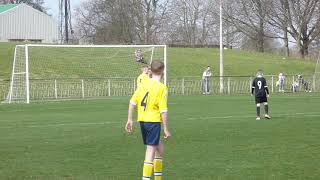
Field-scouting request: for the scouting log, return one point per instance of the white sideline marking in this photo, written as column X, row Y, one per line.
column 70, row 124
column 313, row 115
column 57, row 125
column 309, row 114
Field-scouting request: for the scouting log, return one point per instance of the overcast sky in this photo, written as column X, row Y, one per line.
column 53, row 6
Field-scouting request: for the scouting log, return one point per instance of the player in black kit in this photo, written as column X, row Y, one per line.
column 261, row 92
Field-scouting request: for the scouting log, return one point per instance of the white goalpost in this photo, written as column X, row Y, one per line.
column 55, row 72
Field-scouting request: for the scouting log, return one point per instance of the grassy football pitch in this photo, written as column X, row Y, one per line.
column 214, row 137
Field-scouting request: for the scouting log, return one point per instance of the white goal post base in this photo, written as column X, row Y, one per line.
column 68, row 71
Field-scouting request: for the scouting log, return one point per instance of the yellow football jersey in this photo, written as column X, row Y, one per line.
column 142, row 78
column 151, row 100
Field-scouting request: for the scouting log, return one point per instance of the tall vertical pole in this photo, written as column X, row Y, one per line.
column 221, row 50
column 13, row 72
column 27, row 74
column 66, row 17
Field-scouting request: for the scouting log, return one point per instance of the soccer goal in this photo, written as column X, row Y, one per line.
column 55, row 72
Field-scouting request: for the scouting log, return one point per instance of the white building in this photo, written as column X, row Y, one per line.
column 20, row 22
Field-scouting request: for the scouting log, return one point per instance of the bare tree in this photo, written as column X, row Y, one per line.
column 118, row 21
column 303, row 18
column 192, row 21
column 148, row 16
column 249, row 17
column 37, row 4
column 4, row 1
column 102, row 21
column 278, row 20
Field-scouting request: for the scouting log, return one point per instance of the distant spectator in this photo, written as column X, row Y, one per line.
column 206, row 80
column 281, row 81
column 295, row 86
column 138, row 54
column 306, row 85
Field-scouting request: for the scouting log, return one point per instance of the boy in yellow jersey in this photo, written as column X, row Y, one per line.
column 144, row 76
column 151, row 101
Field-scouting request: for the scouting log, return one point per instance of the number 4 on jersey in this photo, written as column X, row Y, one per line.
column 145, row 101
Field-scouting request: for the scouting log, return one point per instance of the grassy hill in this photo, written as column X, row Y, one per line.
column 181, row 62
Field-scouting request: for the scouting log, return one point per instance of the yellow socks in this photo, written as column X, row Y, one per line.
column 147, row 170
column 150, row 167
column 157, row 168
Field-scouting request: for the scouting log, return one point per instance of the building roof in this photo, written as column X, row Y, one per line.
column 6, row 7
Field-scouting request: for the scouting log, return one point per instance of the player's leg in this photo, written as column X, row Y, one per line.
column 150, row 150
column 203, row 86
column 157, row 162
column 258, row 111
column 148, row 162
column 266, row 108
column 151, row 139
column 208, row 86
column 258, row 104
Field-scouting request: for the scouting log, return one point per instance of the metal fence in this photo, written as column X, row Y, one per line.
column 55, row 89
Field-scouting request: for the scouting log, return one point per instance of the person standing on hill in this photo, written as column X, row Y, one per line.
column 206, row 80
column 281, row 81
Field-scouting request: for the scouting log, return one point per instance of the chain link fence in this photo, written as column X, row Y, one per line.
column 58, row 89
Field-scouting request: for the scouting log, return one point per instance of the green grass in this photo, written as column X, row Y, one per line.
column 213, row 138
column 181, row 62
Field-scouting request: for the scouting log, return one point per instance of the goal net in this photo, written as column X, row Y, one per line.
column 53, row 72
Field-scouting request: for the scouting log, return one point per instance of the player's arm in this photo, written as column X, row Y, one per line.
column 129, row 125
column 164, row 113
column 166, row 131
column 132, row 105
column 252, row 87
column 266, row 87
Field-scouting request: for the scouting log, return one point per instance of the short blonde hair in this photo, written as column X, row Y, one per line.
column 157, row 67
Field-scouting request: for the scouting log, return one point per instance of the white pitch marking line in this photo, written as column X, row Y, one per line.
column 310, row 114
column 70, row 124
column 57, row 125
column 313, row 115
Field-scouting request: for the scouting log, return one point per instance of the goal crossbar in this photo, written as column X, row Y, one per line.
column 94, row 46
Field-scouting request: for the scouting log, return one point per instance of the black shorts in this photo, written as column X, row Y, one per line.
column 261, row 99
column 150, row 132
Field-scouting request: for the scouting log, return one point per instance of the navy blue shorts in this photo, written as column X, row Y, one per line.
column 150, row 132
column 261, row 99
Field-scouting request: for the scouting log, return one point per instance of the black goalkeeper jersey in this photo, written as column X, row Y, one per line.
column 259, row 86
